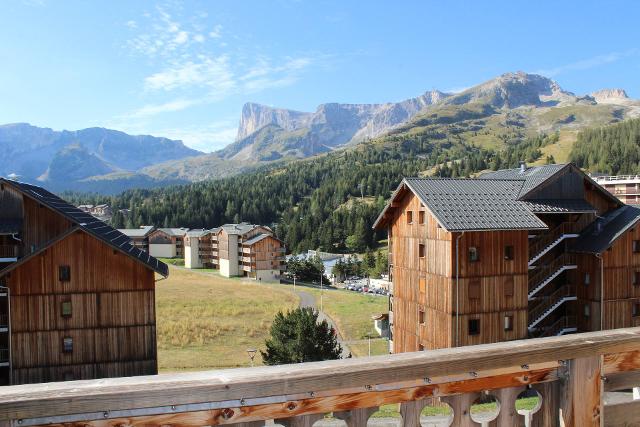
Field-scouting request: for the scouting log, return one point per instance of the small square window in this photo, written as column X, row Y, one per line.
column 587, row 310
column 474, row 289
column 636, row 278
column 636, row 309
column 420, row 347
column 474, row 326
column 421, row 217
column 409, row 217
column 474, row 256
column 587, row 279
column 636, row 246
column 423, row 285
column 508, row 252
column 508, row 323
column 65, row 308
column 421, row 316
column 67, row 345
column 508, row 287
column 421, row 250
column 64, row 273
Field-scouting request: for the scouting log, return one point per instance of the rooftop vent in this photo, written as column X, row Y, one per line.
column 523, row 167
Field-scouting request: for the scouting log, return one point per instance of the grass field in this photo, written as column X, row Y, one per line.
column 205, row 321
column 351, row 311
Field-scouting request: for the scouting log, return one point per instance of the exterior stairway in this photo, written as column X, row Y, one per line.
column 562, row 326
column 548, row 304
column 545, row 274
column 547, row 241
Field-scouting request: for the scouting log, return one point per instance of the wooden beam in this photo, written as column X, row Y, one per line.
column 622, row 381
column 581, row 402
column 621, row 362
column 622, row 414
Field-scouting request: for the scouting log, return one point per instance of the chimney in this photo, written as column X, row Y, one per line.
column 523, row 166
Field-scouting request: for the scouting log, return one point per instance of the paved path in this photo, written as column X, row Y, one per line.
column 308, row 300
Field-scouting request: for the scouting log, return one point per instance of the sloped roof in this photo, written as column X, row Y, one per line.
column 533, row 176
column 174, row 231
column 258, row 238
column 559, row 206
column 242, row 228
column 137, row 232
column 89, row 224
column 472, row 204
column 600, row 235
column 197, row 233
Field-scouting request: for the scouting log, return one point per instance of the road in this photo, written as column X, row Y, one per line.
column 308, row 300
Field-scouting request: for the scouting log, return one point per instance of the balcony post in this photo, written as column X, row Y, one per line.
column 461, row 405
column 507, row 397
column 356, row 417
column 581, row 397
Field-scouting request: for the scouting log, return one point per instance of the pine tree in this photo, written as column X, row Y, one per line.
column 298, row 337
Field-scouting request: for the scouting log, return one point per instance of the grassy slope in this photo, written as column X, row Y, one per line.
column 207, row 321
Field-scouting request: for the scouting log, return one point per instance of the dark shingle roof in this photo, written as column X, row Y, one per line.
column 242, row 228
column 473, row 204
column 137, row 232
column 256, row 239
column 599, row 237
column 559, row 206
column 90, row 224
column 532, row 176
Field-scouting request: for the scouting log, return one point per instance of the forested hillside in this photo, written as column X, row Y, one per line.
column 613, row 149
column 329, row 202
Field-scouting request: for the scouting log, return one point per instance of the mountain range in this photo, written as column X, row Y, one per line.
column 495, row 113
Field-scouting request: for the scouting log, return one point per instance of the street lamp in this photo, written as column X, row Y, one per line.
column 252, row 354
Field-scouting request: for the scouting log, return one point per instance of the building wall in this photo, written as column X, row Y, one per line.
column 428, row 284
column 192, row 253
column 112, row 323
column 164, row 250
column 228, row 254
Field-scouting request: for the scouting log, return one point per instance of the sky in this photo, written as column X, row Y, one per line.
column 185, row 69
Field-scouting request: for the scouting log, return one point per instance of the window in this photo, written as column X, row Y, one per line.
column 473, row 254
column 508, row 287
column 636, row 309
column 587, row 279
column 508, row 323
column 65, row 308
column 420, row 347
column 423, row 285
column 636, row 278
column 421, row 217
column 587, row 310
column 508, row 252
column 474, row 326
column 64, row 273
column 474, row 289
column 421, row 316
column 409, row 217
column 67, row 345
column 636, row 246
column 421, row 250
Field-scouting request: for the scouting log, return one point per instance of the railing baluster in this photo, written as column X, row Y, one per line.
column 461, row 406
column 410, row 412
column 507, row 397
column 581, row 399
column 548, row 415
column 356, row 417
column 248, row 424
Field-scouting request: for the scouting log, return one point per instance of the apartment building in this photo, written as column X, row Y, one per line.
column 243, row 249
column 139, row 237
column 77, row 300
column 525, row 252
column 624, row 187
column 167, row 242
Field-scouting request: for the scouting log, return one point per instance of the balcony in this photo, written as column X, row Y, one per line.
column 569, row 373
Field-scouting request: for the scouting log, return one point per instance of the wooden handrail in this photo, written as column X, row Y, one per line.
column 300, row 394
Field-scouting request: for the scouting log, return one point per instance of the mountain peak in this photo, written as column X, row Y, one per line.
column 607, row 94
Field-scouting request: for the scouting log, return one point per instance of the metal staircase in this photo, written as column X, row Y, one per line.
column 545, row 274
column 547, row 241
column 564, row 325
column 547, row 304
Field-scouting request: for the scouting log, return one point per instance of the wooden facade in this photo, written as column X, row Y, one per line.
column 455, row 288
column 79, row 308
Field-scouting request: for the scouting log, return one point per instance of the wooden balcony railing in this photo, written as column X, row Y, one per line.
column 541, row 274
column 9, row 251
column 546, row 239
column 570, row 374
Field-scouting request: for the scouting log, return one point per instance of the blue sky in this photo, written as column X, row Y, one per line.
column 184, row 69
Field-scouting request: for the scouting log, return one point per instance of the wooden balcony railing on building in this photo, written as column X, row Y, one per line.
column 569, row 373
column 9, row 251
column 562, row 325
column 4, row 355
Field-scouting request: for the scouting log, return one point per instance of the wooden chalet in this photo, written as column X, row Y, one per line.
column 526, row 252
column 167, row 242
column 77, row 299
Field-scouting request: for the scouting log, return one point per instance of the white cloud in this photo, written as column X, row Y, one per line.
column 207, row 138
column 588, row 63
column 199, row 38
column 166, row 107
column 214, row 73
column 216, row 33
column 182, row 37
column 132, row 24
